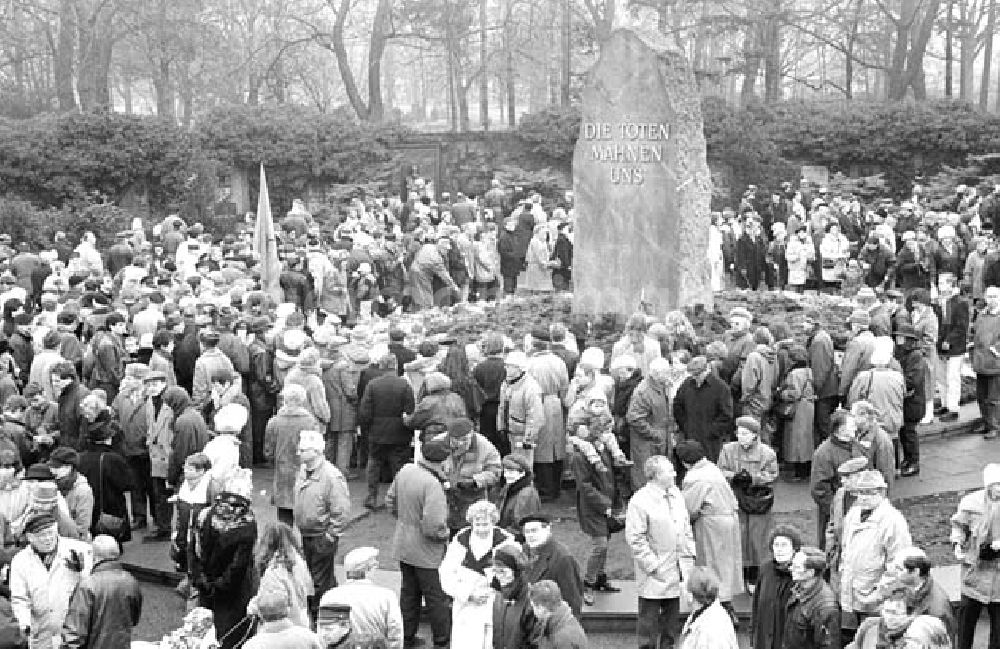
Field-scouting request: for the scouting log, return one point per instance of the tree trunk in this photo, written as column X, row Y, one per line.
column 62, row 68
column 509, row 67
column 984, row 86
column 164, row 90
column 967, row 43
column 567, row 52
column 949, row 49
column 752, row 56
column 253, row 89
column 484, row 77
column 772, row 54
column 376, row 50
column 344, row 61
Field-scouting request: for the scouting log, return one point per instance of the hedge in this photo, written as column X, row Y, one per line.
column 763, row 144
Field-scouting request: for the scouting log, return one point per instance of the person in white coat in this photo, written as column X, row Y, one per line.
column 43, row 577
column 658, row 531
column 709, row 626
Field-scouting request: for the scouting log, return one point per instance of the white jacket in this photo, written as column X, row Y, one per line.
column 712, row 629
column 39, row 596
column 658, row 531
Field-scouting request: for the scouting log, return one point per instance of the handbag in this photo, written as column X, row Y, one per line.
column 106, row 523
column 755, row 499
column 616, row 521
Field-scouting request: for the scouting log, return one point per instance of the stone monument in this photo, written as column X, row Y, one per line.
column 641, row 182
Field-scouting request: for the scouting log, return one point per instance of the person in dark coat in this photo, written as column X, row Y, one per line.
column 562, row 253
column 384, row 403
column 751, row 251
column 514, row 623
column 911, row 359
column 510, row 262
column 490, row 374
column 109, row 477
column 262, row 387
column 558, row 628
column 402, row 353
column 190, row 432
column 106, row 605
column 456, row 367
column 549, row 559
column 703, row 406
column 595, row 492
column 518, row 497
column 70, row 420
column 224, row 576
column 774, row 589
column 186, row 353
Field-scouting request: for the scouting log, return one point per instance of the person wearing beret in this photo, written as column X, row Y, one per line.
column 518, row 497
column 714, row 512
column 43, row 577
column 748, row 462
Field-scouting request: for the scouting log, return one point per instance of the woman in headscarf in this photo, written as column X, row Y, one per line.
column 279, row 561
column 773, row 590
column 797, row 390
column 438, row 405
column 537, row 277
column 514, row 622
column 463, row 572
column 225, row 578
column 456, row 367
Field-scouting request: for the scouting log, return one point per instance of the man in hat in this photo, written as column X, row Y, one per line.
column 43, row 577
column 813, row 618
column 210, row 360
column 472, row 468
column 552, row 377
column 321, row 510
column 276, row 629
column 333, row 626
column 824, row 369
column 106, row 605
column 550, row 559
column 952, row 311
column 658, row 531
column 986, row 361
column 858, row 354
column 874, row 534
column 74, row 488
column 915, row 403
column 375, row 612
column 521, row 413
column 703, row 405
column 418, row 502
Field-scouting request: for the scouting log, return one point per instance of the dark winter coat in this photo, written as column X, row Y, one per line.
column 704, row 412
column 227, row 579
column 262, row 387
column 434, row 410
column 953, row 326
column 518, row 500
column 513, row 619
column 190, row 436
column 553, row 561
column 767, row 623
column 186, row 353
column 595, row 492
column 812, row 619
column 914, row 373
column 510, row 262
column 109, row 484
column 385, row 401
column 403, row 356
column 72, row 423
column 103, row 610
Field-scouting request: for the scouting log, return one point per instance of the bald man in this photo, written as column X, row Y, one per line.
column 106, row 604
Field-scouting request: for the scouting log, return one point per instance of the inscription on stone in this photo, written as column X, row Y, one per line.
column 626, row 143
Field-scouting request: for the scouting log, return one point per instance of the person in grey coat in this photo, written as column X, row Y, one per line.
column 417, row 500
column 106, row 605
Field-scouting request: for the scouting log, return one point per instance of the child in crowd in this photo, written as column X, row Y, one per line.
column 592, row 413
column 191, row 498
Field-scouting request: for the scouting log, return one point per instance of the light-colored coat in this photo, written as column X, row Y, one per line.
column 658, row 531
column 867, row 548
column 980, row 579
column 714, row 513
column 521, row 402
column 159, row 439
column 651, row 422
column 281, row 445
column 549, row 371
column 39, row 596
column 798, row 438
column 712, row 629
column 885, row 389
column 322, row 501
column 798, row 255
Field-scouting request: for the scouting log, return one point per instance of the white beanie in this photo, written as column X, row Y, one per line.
column 991, row 474
column 231, row 418
column 312, row 439
column 593, row 358
column 882, row 351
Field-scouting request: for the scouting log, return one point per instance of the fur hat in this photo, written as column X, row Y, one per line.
column 749, row 423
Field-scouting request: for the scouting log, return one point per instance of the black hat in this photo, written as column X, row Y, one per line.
column 38, row 472
column 542, row 334
column 535, row 518
column 63, row 456
column 435, row 450
column 39, row 522
column 690, row 451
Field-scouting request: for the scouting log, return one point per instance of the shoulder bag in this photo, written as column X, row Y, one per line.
column 106, row 523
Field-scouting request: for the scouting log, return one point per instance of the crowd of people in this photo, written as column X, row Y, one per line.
column 142, row 382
